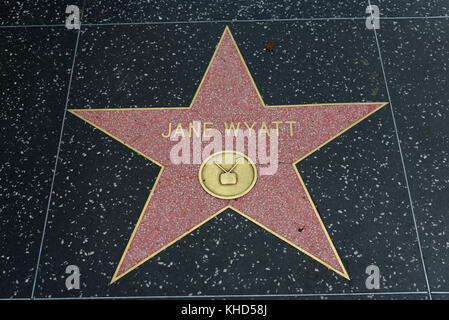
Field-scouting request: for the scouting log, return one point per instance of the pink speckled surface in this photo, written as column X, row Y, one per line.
column 278, row 202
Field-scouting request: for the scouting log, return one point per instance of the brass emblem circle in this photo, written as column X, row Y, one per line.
column 228, row 174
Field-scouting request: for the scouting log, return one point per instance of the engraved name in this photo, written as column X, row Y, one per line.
column 199, row 128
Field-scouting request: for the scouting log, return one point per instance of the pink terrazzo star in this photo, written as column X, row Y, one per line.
column 279, row 203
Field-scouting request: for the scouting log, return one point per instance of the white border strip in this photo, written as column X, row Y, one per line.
column 403, row 163
column 56, row 164
column 222, row 21
column 299, row 295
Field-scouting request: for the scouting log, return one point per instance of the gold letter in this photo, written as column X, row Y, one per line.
column 263, row 127
column 179, row 130
column 277, row 126
column 205, row 129
column 291, row 127
column 231, row 126
column 169, row 131
column 197, row 130
column 250, row 129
